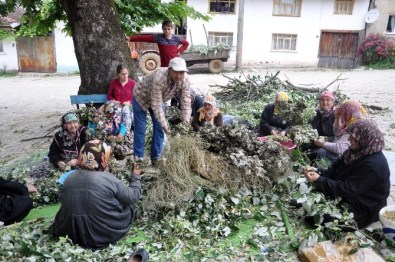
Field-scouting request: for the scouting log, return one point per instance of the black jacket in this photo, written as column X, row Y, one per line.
column 59, row 152
column 364, row 186
column 15, row 202
column 323, row 125
column 269, row 122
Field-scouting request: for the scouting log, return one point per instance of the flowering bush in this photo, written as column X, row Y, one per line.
column 377, row 48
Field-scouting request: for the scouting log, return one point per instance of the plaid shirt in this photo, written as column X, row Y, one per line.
column 157, row 88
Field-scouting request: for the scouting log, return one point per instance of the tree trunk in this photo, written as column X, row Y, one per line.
column 99, row 42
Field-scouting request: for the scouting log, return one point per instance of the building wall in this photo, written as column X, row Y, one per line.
column 9, row 58
column 65, row 55
column 260, row 24
column 386, row 8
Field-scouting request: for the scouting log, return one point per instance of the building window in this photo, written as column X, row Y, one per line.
column 1, row 46
column 287, row 7
column 223, row 6
column 284, row 42
column 220, row 38
column 391, row 24
column 344, row 7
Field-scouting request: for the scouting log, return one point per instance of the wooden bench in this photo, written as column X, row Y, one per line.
column 87, row 99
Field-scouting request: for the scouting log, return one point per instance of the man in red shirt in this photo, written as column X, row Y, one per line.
column 169, row 45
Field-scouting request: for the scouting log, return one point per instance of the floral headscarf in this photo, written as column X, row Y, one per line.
column 112, row 126
column 208, row 115
column 369, row 140
column 349, row 111
column 94, row 155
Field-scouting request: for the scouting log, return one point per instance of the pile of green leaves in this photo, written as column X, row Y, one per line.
column 211, row 226
column 204, row 50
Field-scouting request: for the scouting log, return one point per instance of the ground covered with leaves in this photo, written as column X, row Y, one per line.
column 219, row 195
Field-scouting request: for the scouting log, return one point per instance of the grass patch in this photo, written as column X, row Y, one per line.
column 8, row 73
column 45, row 211
column 387, row 64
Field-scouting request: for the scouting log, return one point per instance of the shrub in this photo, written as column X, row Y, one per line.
column 377, row 48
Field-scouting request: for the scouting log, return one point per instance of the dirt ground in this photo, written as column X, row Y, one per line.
column 31, row 104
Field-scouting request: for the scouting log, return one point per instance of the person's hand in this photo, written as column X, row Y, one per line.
column 319, row 143
column 126, row 103
column 273, row 132
column 282, row 133
column 136, row 169
column 73, row 162
column 168, row 132
column 120, row 137
column 311, row 175
column 31, row 188
column 61, row 165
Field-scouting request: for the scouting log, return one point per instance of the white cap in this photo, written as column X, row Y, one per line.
column 178, row 64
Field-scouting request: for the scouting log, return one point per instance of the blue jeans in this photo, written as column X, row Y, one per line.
column 140, row 126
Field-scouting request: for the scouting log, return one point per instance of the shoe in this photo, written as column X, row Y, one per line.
column 140, row 256
column 154, row 163
column 138, row 159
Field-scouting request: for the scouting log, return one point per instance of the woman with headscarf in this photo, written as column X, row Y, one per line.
column 271, row 122
column 67, row 143
column 325, row 116
column 121, row 91
column 209, row 113
column 361, row 176
column 347, row 113
column 96, row 207
column 113, row 125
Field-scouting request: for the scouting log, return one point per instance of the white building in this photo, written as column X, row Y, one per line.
column 53, row 53
column 383, row 19
column 281, row 31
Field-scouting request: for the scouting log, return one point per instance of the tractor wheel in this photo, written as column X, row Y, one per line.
column 216, row 66
column 149, row 62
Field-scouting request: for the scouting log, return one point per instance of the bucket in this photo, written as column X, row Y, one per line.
column 388, row 226
column 288, row 144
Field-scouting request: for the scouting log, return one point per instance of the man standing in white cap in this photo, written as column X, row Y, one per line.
column 149, row 95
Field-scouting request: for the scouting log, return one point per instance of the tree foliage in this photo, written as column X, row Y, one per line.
column 41, row 15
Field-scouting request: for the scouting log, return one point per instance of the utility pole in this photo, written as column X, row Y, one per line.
column 240, row 28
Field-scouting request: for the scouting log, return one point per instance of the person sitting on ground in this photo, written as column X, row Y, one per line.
column 209, row 113
column 323, row 123
column 113, row 127
column 170, row 46
column 15, row 202
column 361, row 177
column 347, row 113
column 325, row 116
column 97, row 209
column 65, row 147
column 121, row 91
column 271, row 122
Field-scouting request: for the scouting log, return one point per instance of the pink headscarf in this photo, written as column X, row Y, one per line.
column 348, row 112
column 328, row 94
